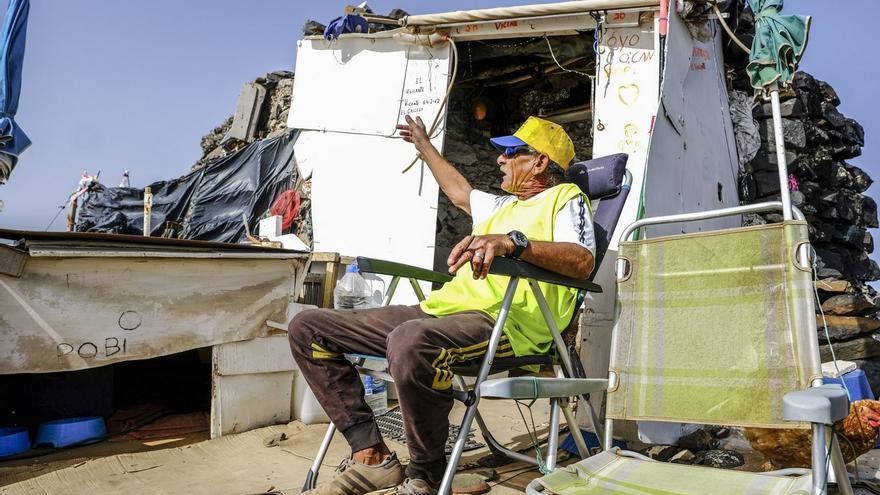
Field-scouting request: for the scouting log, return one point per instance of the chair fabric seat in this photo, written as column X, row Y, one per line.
column 610, row 473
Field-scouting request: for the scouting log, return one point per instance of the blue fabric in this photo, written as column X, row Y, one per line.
column 346, row 24
column 13, row 140
column 502, row 142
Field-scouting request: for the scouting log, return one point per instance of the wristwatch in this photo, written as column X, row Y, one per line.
column 520, row 243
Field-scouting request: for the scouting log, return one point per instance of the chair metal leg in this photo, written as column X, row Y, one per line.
column 553, row 439
column 819, row 471
column 312, row 475
column 575, row 430
column 497, row 330
column 839, row 467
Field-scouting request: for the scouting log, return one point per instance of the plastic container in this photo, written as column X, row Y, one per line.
column 13, row 441
column 375, row 394
column 664, row 433
column 590, row 439
column 353, row 291
column 71, row 431
column 305, row 405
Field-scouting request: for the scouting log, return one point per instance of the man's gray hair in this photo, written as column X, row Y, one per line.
column 554, row 175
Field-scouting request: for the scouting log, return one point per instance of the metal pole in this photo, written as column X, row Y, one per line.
column 819, row 471
column 148, row 210
column 780, row 152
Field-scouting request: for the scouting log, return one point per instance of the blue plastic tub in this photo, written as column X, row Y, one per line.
column 858, row 386
column 71, row 431
column 592, row 442
column 13, row 441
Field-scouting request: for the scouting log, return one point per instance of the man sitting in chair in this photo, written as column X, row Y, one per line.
column 542, row 221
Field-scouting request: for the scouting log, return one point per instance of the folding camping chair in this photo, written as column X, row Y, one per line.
column 713, row 328
column 604, row 179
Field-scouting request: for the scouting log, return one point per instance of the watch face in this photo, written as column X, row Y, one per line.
column 519, row 238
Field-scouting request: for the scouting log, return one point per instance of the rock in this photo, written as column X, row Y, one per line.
column 828, row 93
column 842, row 328
column 851, row 350
column 834, row 286
column 868, row 243
column 792, row 107
column 853, row 132
column 660, row 453
column 860, row 180
column 766, row 183
column 683, row 457
column 842, row 151
column 832, row 115
column 815, row 135
column 719, row 458
column 698, row 440
column 848, row 304
column 768, row 161
column 793, row 133
column 869, row 212
column 852, row 235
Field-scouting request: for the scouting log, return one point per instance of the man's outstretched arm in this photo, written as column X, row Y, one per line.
column 451, row 182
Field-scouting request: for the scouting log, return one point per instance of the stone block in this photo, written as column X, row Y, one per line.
column 851, row 304
column 851, row 350
column 793, row 133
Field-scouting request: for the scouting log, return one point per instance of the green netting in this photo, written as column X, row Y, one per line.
column 714, row 327
column 611, row 474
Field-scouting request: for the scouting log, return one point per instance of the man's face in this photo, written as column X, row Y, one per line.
column 517, row 169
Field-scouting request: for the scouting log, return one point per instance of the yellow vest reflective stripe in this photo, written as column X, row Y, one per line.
column 525, row 326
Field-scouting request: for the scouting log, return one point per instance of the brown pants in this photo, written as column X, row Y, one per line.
column 420, row 350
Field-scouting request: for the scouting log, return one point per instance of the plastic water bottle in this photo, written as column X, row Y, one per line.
column 353, row 291
column 375, row 394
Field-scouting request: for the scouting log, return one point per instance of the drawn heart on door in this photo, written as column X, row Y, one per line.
column 628, row 93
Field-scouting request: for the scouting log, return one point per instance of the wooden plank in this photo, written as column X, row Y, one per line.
column 12, row 261
column 329, row 285
column 325, row 257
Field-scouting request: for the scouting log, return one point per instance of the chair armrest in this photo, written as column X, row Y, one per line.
column 530, row 387
column 518, row 268
column 826, row 405
column 382, row 267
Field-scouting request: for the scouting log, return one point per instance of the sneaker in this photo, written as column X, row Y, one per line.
column 355, row 478
column 412, row 486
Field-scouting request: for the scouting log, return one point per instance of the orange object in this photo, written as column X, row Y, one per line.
column 287, row 205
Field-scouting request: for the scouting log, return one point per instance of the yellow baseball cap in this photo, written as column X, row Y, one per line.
column 542, row 135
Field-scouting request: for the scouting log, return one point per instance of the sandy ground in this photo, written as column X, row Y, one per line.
column 233, row 464
column 241, row 465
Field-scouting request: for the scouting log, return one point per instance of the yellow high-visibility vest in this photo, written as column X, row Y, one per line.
column 525, row 326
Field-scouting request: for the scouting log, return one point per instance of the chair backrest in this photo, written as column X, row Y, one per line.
column 603, row 179
column 713, row 327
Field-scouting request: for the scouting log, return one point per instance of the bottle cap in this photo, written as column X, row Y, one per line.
column 352, row 268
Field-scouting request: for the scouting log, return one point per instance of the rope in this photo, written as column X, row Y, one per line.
column 533, row 434
column 825, row 327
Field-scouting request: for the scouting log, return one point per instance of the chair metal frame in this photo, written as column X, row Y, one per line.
column 821, row 433
column 559, row 357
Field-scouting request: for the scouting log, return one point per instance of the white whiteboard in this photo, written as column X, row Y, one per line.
column 365, row 85
column 361, row 203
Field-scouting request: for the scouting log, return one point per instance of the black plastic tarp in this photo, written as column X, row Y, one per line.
column 208, row 202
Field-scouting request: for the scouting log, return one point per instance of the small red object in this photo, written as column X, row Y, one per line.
column 287, row 205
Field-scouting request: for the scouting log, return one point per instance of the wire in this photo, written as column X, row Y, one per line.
column 729, row 32
column 550, row 47
column 442, row 110
column 60, row 209
column 533, row 436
